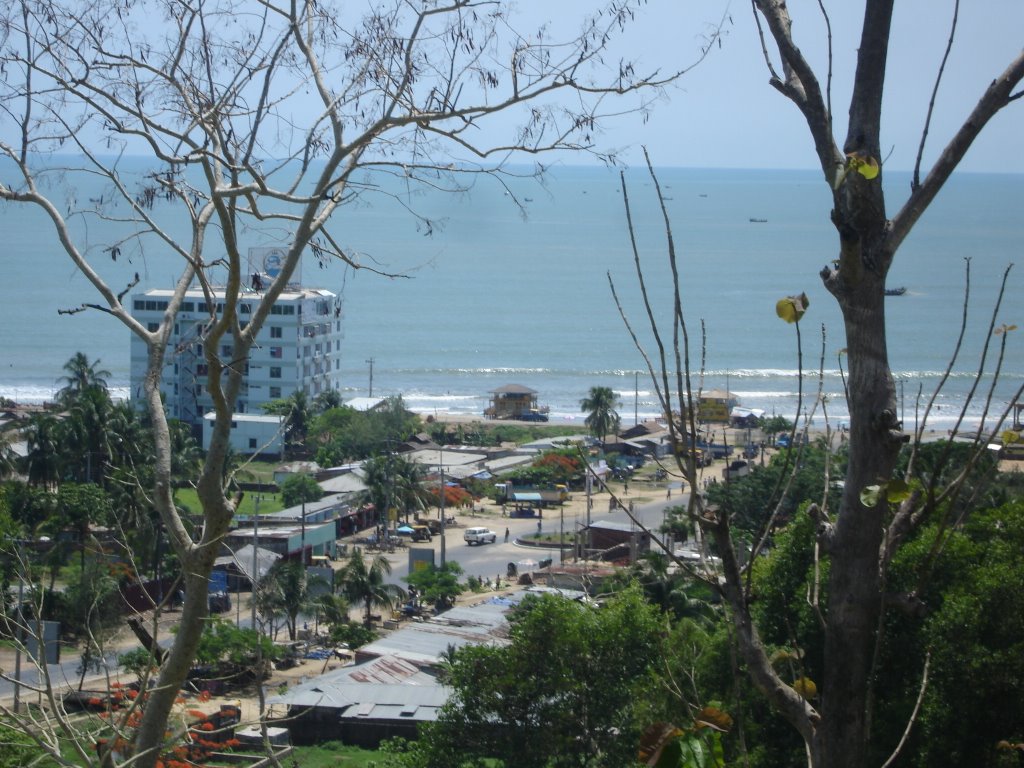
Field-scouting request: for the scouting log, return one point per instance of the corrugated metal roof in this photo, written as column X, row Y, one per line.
column 526, row 496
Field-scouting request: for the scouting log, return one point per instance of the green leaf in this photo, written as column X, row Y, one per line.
column 792, row 308
column 897, row 491
column 869, row 496
column 865, row 165
column 1010, row 437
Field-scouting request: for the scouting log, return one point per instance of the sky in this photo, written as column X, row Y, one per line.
column 724, row 114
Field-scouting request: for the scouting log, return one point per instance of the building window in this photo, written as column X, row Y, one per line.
column 153, row 327
column 226, row 350
column 275, row 332
column 252, row 443
column 188, row 306
column 275, row 393
column 276, row 352
column 275, row 372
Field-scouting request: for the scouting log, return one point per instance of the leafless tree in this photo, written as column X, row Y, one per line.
column 861, row 538
column 257, row 120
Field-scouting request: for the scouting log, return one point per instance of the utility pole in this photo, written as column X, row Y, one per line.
column 370, row 361
column 444, row 532
column 255, row 560
column 303, row 545
column 636, row 397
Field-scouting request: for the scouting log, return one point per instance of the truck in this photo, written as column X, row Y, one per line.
column 507, row 493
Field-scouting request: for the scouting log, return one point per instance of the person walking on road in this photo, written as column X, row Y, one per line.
column 506, row 535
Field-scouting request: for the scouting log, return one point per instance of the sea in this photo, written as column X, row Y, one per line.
column 509, row 281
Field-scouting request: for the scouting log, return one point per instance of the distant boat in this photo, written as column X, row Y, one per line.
column 758, row 221
column 528, row 199
column 896, row 291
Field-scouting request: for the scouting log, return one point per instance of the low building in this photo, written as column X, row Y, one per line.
column 513, row 401
column 715, row 405
column 613, row 542
column 252, row 434
column 362, row 705
column 288, row 541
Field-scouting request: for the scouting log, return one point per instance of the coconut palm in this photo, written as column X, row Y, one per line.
column 362, row 581
column 8, row 458
column 87, row 431
column 602, row 417
column 81, row 375
column 288, row 587
column 332, row 609
column 326, row 400
column 42, row 463
column 378, row 479
column 298, row 411
column 410, row 493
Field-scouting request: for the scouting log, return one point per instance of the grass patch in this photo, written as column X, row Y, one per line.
column 269, row 502
column 333, row 753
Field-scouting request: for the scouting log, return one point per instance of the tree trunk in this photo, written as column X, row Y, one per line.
column 854, row 599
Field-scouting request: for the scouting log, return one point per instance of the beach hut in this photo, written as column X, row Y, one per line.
column 513, row 401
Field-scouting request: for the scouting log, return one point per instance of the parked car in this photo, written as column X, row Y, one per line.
column 533, row 416
column 478, row 535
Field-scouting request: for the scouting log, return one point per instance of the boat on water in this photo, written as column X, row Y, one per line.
column 896, row 291
column 758, row 221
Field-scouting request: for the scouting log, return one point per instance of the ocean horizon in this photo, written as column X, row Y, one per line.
column 502, row 294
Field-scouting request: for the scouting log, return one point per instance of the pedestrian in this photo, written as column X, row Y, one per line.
column 538, row 527
column 668, row 493
column 506, row 535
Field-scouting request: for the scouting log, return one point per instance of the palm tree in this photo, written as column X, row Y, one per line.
column 88, row 432
column 81, row 375
column 287, row 587
column 600, row 409
column 8, row 458
column 332, row 609
column 297, row 410
column 378, row 479
column 327, row 400
column 365, row 582
column 410, row 493
column 43, row 460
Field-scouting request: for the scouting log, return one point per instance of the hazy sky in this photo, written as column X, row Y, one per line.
column 724, row 113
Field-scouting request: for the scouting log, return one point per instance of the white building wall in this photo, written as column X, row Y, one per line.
column 298, row 348
column 250, row 433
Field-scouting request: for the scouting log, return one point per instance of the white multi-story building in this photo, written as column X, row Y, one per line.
column 298, row 348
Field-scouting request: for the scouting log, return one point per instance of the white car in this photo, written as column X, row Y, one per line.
column 480, row 536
